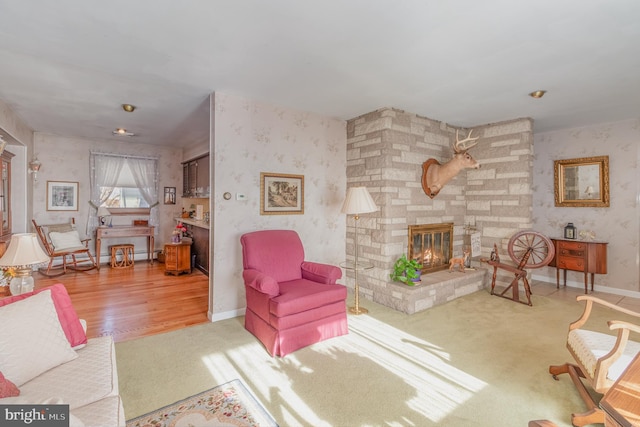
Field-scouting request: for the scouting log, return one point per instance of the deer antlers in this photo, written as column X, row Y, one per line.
column 461, row 146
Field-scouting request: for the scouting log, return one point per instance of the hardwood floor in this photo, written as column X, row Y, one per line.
column 134, row 302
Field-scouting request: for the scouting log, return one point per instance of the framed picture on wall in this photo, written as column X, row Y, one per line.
column 169, row 195
column 281, row 194
column 62, row 196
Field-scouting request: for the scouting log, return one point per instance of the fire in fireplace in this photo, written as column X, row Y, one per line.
column 431, row 245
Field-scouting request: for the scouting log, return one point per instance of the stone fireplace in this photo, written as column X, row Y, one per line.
column 431, row 245
column 386, row 150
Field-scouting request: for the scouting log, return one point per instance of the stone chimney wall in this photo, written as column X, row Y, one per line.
column 385, row 152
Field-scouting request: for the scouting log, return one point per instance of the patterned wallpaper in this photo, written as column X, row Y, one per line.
column 619, row 225
column 249, row 138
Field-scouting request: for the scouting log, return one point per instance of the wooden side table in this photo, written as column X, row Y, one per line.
column 577, row 255
column 177, row 258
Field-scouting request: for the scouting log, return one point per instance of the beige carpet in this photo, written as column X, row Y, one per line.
column 477, row 361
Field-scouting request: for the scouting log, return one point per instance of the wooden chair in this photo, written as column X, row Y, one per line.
column 600, row 358
column 62, row 240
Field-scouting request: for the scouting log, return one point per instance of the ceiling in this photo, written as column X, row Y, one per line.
column 66, row 66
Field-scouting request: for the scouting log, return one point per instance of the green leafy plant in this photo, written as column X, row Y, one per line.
column 404, row 270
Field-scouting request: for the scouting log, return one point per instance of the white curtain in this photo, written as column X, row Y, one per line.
column 145, row 173
column 105, row 171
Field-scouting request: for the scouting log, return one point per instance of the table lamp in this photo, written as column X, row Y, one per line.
column 24, row 252
column 357, row 201
column 103, row 213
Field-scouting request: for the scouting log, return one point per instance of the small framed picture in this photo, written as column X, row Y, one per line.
column 169, row 195
column 62, row 196
column 281, row 194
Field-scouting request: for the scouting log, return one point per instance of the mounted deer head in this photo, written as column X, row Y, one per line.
column 435, row 175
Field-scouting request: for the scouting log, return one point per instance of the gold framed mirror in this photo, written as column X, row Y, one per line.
column 582, row 182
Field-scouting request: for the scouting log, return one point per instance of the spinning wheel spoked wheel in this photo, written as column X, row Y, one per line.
column 535, row 249
column 529, row 249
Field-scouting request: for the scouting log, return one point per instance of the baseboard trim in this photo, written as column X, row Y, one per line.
column 596, row 287
column 216, row 317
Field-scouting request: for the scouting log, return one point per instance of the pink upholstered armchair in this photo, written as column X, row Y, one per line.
column 291, row 303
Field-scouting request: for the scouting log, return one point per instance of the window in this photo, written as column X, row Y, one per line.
column 125, row 194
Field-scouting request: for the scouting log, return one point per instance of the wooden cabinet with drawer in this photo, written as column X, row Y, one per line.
column 177, row 258
column 586, row 257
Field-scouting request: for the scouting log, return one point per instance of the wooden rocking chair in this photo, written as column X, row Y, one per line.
column 599, row 358
column 62, row 240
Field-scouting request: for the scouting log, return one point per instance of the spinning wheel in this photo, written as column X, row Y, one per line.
column 529, row 249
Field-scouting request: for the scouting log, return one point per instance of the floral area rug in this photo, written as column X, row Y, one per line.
column 227, row 405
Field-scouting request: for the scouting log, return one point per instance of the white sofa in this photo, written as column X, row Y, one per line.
column 88, row 383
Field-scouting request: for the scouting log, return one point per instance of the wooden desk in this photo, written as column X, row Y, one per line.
column 621, row 404
column 578, row 255
column 125, row 231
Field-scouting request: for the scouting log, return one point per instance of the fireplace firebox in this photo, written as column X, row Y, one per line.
column 431, row 245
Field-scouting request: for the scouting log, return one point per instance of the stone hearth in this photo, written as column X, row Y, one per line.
column 435, row 289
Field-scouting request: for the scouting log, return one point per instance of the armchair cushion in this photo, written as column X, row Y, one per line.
column 66, row 240
column 301, row 295
column 589, row 346
column 276, row 253
column 322, row 273
column 261, row 282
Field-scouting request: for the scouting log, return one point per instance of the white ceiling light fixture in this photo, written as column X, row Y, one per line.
column 122, row 132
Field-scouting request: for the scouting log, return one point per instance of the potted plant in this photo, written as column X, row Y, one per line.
column 406, row 271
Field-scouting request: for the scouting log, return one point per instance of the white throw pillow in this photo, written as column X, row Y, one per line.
column 66, row 240
column 32, row 340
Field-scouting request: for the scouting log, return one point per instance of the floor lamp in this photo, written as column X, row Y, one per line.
column 357, row 201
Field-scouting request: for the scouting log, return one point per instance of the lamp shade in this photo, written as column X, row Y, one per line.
column 23, row 251
column 103, row 211
column 358, row 201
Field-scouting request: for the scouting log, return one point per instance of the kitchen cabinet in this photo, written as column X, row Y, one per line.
column 201, row 248
column 196, row 177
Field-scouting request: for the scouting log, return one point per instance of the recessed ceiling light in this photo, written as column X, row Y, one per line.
column 128, row 108
column 122, row 132
column 537, row 93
